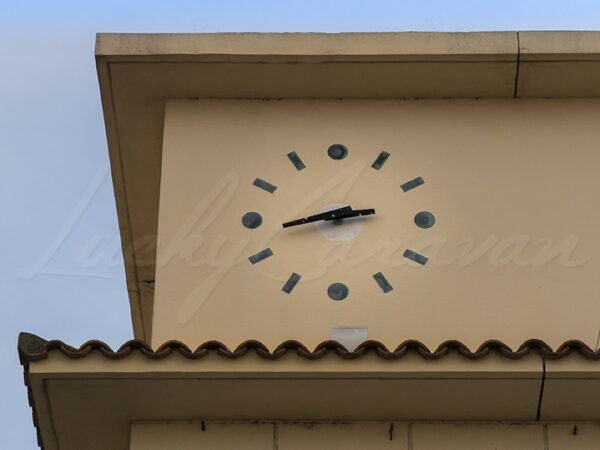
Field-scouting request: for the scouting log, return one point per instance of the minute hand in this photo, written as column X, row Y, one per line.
column 328, row 215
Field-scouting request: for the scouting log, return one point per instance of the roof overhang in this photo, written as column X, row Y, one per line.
column 137, row 72
column 88, row 397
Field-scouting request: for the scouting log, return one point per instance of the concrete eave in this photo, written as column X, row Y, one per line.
column 137, row 72
column 291, row 382
column 136, row 388
column 251, row 388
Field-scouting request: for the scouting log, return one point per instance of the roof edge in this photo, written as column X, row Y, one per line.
column 559, row 45
column 33, row 348
column 424, row 44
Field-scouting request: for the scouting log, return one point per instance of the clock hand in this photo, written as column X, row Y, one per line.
column 336, row 214
column 353, row 213
column 328, row 215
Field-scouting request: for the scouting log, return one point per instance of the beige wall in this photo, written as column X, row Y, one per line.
column 174, row 436
column 372, row 436
column 512, row 183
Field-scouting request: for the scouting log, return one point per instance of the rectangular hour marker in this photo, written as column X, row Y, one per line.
column 412, row 184
column 415, row 257
column 264, row 185
column 383, row 282
column 291, row 283
column 257, row 257
column 380, row 161
column 296, row 161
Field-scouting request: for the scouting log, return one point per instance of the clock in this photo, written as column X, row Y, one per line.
column 335, row 222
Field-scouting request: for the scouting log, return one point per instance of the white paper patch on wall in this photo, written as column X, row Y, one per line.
column 349, row 337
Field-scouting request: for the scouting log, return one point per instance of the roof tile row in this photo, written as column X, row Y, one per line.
column 33, row 348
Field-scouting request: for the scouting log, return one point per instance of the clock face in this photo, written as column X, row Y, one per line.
column 322, row 233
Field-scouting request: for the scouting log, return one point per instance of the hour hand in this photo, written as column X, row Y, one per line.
column 353, row 213
column 328, row 215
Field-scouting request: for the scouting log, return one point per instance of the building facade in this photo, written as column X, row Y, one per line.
column 362, row 240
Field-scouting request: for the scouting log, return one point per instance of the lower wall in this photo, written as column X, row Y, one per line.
column 364, row 435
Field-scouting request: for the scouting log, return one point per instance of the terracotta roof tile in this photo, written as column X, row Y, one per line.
column 33, row 348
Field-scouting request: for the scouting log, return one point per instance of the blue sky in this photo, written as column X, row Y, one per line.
column 61, row 273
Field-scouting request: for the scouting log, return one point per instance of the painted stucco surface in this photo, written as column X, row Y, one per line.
column 511, row 255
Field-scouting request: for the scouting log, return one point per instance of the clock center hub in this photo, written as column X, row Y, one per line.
column 341, row 229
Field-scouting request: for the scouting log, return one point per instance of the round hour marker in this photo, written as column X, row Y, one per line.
column 251, row 220
column 337, row 151
column 424, row 219
column 337, row 291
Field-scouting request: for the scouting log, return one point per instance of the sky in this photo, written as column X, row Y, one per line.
column 61, row 270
